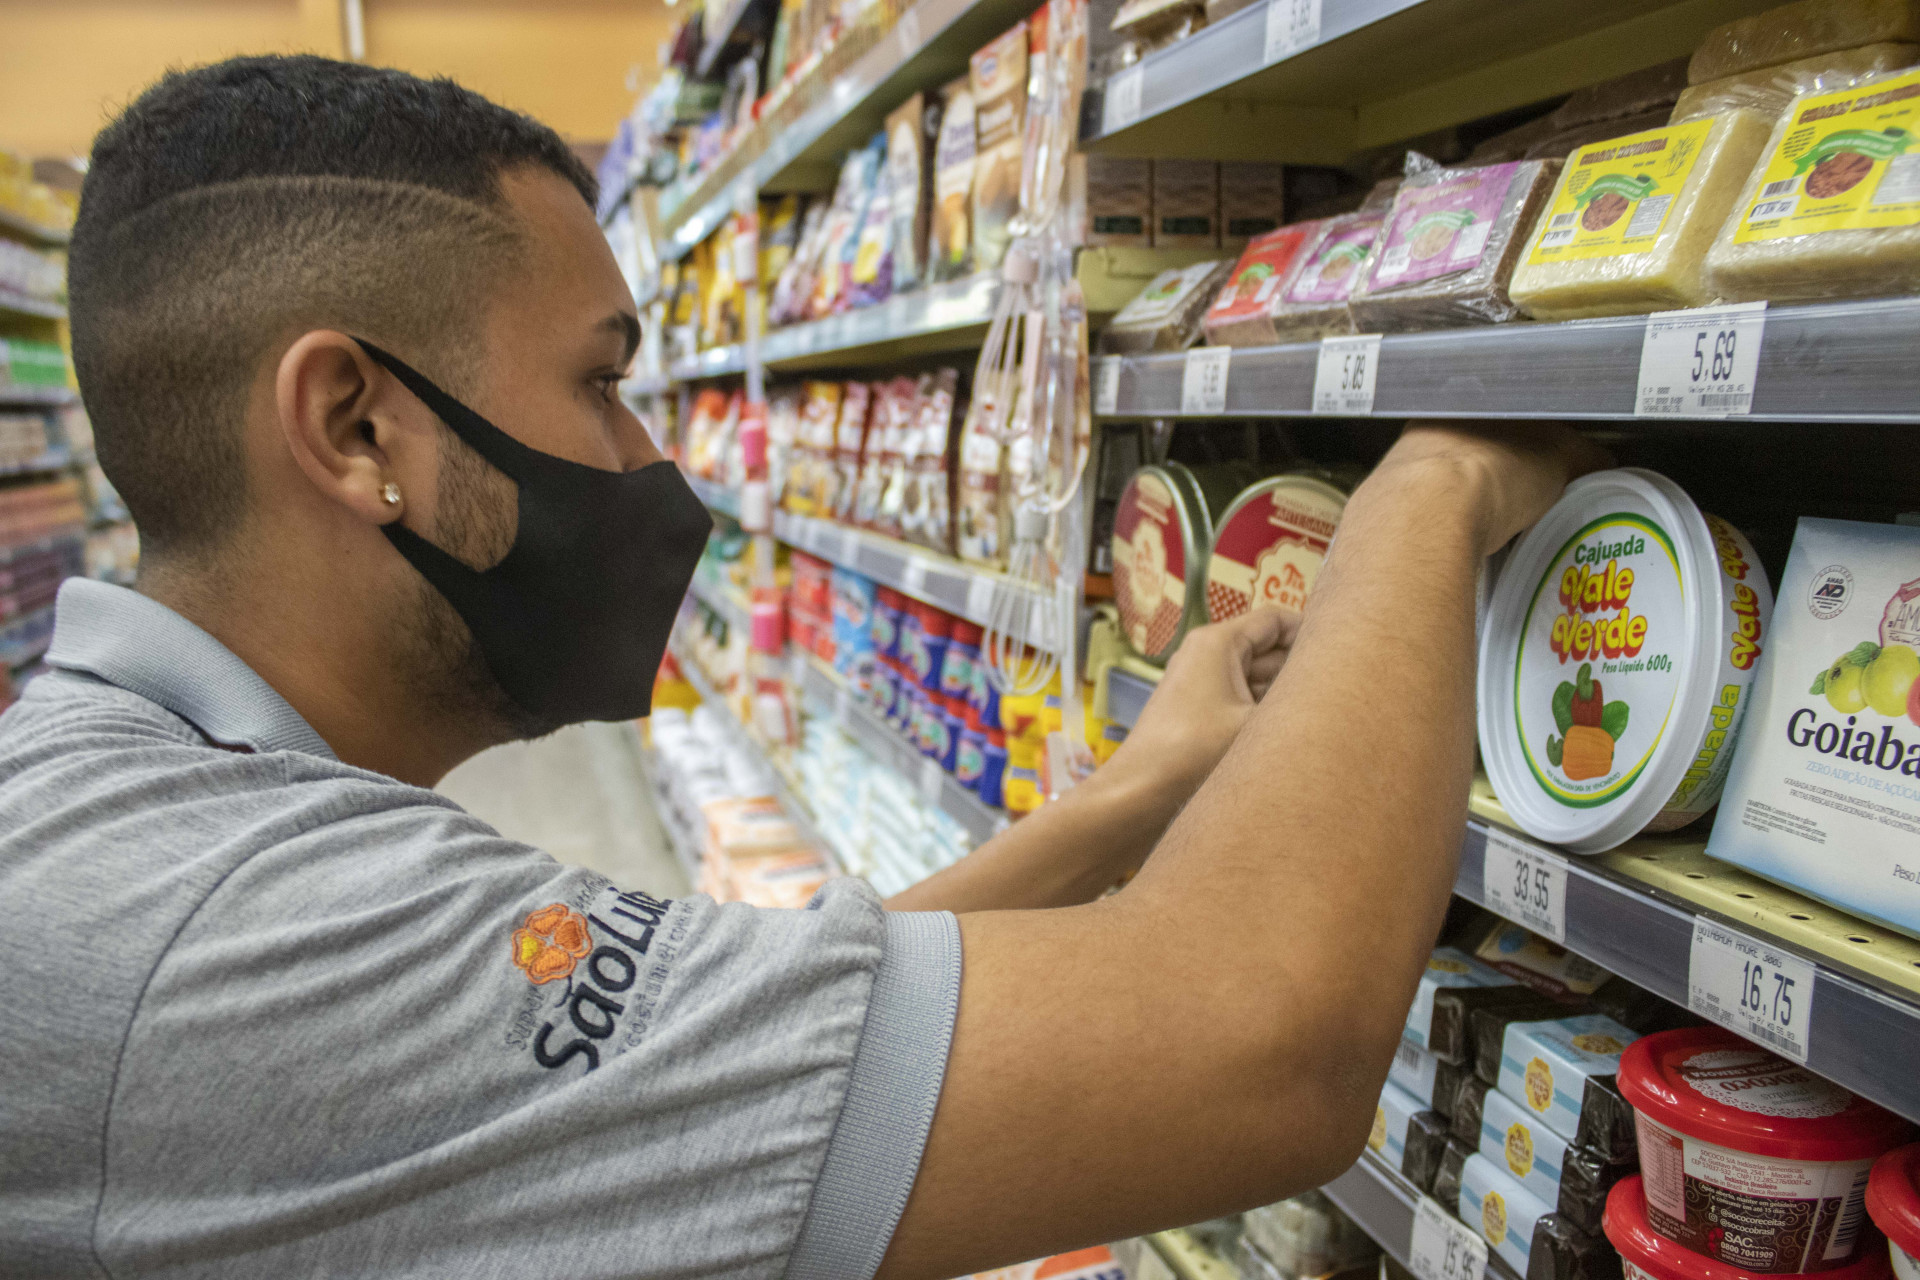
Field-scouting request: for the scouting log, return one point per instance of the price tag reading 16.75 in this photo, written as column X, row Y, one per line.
column 1751, row 987
column 1700, row 363
column 1443, row 1247
column 1526, row 884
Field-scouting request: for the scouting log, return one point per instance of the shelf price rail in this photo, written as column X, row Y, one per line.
column 1824, row 363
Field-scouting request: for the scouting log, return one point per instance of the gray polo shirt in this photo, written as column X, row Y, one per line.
column 267, row 1014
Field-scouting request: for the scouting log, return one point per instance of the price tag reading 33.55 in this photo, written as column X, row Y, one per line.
column 1292, row 25
column 1526, row 884
column 1752, row 988
column 1343, row 379
column 1443, row 1247
column 1700, row 363
column 1203, row 383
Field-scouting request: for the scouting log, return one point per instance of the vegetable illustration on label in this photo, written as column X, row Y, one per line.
column 1589, row 726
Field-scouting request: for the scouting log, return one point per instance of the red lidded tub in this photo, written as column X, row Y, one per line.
column 1645, row 1254
column 1746, row 1157
column 1893, row 1202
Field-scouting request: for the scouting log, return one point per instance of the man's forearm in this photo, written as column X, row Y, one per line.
column 1068, row 851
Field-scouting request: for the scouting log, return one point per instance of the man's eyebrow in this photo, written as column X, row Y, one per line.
column 627, row 325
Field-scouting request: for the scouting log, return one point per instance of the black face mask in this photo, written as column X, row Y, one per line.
column 574, row 621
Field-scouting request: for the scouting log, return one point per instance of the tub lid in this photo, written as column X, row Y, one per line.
column 1159, row 528
column 1706, row 1082
column 1270, row 544
column 1598, row 658
column 1893, row 1197
column 1641, row 1246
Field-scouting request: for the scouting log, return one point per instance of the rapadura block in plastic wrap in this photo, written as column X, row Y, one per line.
column 1563, row 1251
column 1449, row 1036
column 1801, row 30
column 1606, row 1121
column 1427, row 1136
column 1313, row 302
column 1449, row 246
column 1166, row 315
column 1769, row 89
column 1241, row 315
column 1469, row 1103
column 1631, row 219
column 1446, row 1178
column 1585, row 1179
column 1832, row 210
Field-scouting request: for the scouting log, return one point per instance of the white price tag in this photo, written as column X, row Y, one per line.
column 1343, row 379
column 979, row 599
column 1750, row 987
column 1443, row 1247
column 1106, row 386
column 845, row 546
column 1526, row 884
column 1700, row 363
column 841, row 700
column 930, row 776
column 1121, row 106
column 1292, row 25
column 914, row 580
column 1203, row 383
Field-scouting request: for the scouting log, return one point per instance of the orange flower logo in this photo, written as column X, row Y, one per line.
column 553, row 940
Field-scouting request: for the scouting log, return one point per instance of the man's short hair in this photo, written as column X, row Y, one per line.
column 237, row 205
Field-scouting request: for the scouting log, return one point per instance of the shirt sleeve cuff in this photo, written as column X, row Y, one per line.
column 874, row 1154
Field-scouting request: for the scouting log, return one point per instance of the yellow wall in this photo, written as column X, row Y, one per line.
column 66, row 65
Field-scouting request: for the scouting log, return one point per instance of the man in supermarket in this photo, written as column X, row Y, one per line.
column 350, row 342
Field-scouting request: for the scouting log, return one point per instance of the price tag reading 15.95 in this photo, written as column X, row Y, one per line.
column 1700, row 363
column 1443, row 1247
column 1527, row 885
column 1751, row 987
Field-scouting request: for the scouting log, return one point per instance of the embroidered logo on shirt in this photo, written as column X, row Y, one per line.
column 552, row 941
column 600, row 959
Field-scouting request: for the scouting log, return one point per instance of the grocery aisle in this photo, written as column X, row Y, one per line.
column 578, row 795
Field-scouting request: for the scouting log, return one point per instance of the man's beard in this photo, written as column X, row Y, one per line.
column 439, row 656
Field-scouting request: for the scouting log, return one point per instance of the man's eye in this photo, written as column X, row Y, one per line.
column 609, row 384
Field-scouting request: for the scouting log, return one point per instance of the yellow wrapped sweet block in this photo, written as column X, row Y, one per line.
column 1632, row 218
column 1833, row 208
column 1802, row 30
column 1770, row 89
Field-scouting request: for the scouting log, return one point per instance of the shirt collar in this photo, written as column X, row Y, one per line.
column 144, row 647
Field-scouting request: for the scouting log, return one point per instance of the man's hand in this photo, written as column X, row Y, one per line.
column 1513, row 471
column 1212, row 685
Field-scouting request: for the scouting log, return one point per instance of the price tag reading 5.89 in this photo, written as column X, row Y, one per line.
column 1344, row 377
column 1526, row 884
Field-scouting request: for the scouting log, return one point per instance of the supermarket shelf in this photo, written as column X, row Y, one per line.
column 23, row 304
column 680, row 841
column 55, row 459
column 1865, row 1034
column 790, row 802
column 944, row 317
column 1127, row 696
column 1381, row 71
column 26, row 393
column 1833, row 362
column 1381, row 1201
column 927, row 47
column 927, row 576
column 17, row 225
column 717, row 598
column 880, row 740
column 715, row 495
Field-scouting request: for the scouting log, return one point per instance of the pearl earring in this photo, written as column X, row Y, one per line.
column 391, row 492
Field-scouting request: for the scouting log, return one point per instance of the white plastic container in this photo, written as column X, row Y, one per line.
column 1615, row 662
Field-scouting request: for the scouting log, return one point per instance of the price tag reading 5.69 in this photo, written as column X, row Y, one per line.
column 1343, row 379
column 1526, row 884
column 1701, row 363
column 1751, row 987
column 1443, row 1247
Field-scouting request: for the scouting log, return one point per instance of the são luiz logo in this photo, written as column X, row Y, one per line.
column 598, row 961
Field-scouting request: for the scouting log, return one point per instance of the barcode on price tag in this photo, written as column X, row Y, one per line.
column 1752, row 988
column 1122, row 104
column 930, row 776
column 1700, row 363
column 1203, row 383
column 1106, row 386
column 1443, row 1247
column 1526, row 884
column 1292, row 25
column 1343, row 379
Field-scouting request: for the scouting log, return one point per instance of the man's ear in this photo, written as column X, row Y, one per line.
column 358, row 436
